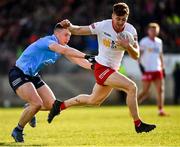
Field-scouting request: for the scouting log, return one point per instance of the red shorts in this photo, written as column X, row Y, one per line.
column 151, row 76
column 101, row 73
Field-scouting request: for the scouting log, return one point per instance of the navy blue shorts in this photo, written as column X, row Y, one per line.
column 18, row 78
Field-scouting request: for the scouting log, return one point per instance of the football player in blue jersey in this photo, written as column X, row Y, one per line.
column 27, row 83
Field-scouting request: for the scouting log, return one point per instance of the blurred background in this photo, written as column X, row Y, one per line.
column 23, row 22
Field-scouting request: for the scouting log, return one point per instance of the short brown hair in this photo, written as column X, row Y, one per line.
column 120, row 9
column 58, row 26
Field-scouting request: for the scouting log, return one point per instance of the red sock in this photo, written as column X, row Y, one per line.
column 137, row 122
column 62, row 106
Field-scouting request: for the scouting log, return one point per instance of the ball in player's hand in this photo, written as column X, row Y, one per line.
column 126, row 35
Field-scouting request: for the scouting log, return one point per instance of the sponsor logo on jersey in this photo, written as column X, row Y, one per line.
column 154, row 50
column 105, row 33
column 106, row 42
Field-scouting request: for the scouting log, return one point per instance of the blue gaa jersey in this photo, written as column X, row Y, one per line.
column 37, row 55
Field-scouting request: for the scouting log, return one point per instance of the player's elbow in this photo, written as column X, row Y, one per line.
column 136, row 56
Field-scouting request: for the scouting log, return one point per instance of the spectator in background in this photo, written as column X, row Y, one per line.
column 152, row 66
column 176, row 77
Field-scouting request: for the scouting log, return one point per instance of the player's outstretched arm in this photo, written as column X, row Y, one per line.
column 75, row 29
column 66, row 50
column 81, row 62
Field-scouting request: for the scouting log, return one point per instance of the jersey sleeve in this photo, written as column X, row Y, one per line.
column 44, row 43
column 49, row 42
column 161, row 45
column 142, row 45
column 134, row 33
column 96, row 27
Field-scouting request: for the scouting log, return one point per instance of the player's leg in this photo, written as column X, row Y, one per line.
column 159, row 85
column 47, row 97
column 23, row 87
column 32, row 122
column 38, row 83
column 28, row 93
column 98, row 95
column 144, row 92
column 119, row 81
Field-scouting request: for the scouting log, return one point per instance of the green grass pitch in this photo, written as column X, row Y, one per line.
column 94, row 126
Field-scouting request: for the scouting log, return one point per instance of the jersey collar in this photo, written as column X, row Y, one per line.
column 117, row 31
column 56, row 39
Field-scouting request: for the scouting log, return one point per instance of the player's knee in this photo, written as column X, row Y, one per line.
column 144, row 91
column 161, row 89
column 48, row 105
column 37, row 106
column 132, row 88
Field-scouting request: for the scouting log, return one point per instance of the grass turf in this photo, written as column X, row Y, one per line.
column 94, row 126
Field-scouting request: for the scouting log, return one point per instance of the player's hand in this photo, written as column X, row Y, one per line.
column 141, row 67
column 65, row 23
column 123, row 43
column 90, row 58
column 164, row 73
column 93, row 66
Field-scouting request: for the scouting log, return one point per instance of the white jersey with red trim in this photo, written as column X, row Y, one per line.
column 151, row 49
column 109, row 55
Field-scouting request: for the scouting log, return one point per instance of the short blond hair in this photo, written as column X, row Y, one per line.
column 154, row 25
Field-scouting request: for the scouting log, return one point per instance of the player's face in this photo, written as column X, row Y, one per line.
column 119, row 21
column 153, row 32
column 64, row 36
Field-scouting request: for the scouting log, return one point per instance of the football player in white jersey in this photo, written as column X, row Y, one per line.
column 107, row 63
column 152, row 66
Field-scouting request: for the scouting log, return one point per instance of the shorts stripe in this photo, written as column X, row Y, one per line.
column 104, row 73
column 101, row 73
column 17, row 81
